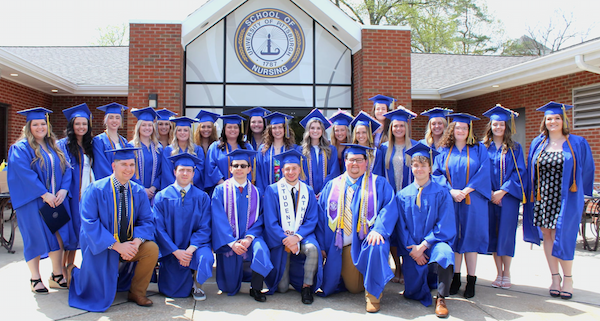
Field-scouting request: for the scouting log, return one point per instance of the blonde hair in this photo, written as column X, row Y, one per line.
column 334, row 140
column 429, row 135
column 50, row 142
column 175, row 146
column 370, row 153
column 391, row 142
column 324, row 143
column 106, row 118
column 136, row 136
column 171, row 124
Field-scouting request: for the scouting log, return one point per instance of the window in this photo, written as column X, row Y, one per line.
column 586, row 107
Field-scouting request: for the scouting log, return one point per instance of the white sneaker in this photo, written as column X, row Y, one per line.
column 198, row 294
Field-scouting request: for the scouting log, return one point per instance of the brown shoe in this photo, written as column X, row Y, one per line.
column 139, row 300
column 372, row 307
column 440, row 308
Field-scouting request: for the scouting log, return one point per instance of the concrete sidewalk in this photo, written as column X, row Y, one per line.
column 528, row 298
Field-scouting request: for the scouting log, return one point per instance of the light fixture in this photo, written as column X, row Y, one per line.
column 54, row 90
column 495, row 86
column 14, row 75
column 153, row 100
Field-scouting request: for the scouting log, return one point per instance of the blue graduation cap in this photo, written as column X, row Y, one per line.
column 256, row 112
column 183, row 121
column 275, row 118
column 357, row 149
column 315, row 114
column 364, row 119
column 232, row 119
column 437, row 112
column 554, row 108
column 381, row 99
column 206, row 116
column 147, row 113
column 420, row 149
column 184, row 159
column 291, row 156
column 467, row 119
column 123, row 153
column 35, row 113
column 165, row 114
column 112, row 108
column 241, row 154
column 400, row 114
column 81, row 110
column 341, row 119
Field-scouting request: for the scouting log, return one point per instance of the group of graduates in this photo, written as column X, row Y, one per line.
column 322, row 216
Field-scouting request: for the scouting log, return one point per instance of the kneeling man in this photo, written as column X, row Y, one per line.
column 291, row 214
column 426, row 226
column 182, row 214
column 116, row 225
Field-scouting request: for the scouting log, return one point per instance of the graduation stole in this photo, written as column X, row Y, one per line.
column 116, row 210
column 50, row 175
column 468, row 197
column 274, row 165
column 572, row 188
column 140, row 163
column 291, row 218
column 336, row 204
column 230, row 205
column 309, row 164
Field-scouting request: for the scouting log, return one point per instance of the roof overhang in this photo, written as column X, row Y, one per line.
column 33, row 76
column 554, row 65
column 325, row 13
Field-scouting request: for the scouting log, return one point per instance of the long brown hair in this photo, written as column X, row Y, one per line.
column 268, row 138
column 50, row 142
column 324, row 143
column 507, row 141
column 391, row 143
column 211, row 139
column 448, row 139
column 544, row 130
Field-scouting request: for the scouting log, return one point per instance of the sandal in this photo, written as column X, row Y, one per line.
column 506, row 282
column 57, row 282
column 564, row 294
column 553, row 292
column 498, row 282
column 34, row 283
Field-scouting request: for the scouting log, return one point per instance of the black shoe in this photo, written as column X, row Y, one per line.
column 258, row 295
column 470, row 289
column 455, row 284
column 307, row 295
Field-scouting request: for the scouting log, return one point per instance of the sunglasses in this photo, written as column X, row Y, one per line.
column 240, row 166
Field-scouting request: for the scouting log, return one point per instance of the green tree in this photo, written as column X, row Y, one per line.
column 113, row 35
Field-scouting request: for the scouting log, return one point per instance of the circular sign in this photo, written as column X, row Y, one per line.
column 269, row 43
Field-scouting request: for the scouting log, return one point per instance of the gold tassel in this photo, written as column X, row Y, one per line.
column 302, row 175
column 48, row 124
column 254, row 171
column 242, row 127
column 137, row 171
column 566, row 119
column 471, row 138
column 287, row 128
column 392, row 105
column 513, row 127
column 370, row 135
column 468, row 199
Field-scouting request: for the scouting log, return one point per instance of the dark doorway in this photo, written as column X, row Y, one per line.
column 4, row 132
column 298, row 114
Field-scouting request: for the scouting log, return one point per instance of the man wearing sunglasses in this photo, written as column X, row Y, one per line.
column 237, row 226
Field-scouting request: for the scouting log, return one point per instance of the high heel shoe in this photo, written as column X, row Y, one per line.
column 57, row 282
column 564, row 294
column 553, row 292
column 34, row 283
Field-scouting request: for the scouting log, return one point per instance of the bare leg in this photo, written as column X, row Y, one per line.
column 549, row 235
column 34, row 269
column 471, row 262
column 57, row 257
column 506, row 261
column 398, row 271
column 567, row 267
column 498, row 262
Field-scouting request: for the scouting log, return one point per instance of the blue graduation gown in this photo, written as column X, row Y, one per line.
column 167, row 172
column 504, row 219
column 93, row 286
column 342, row 161
column 433, row 222
column 231, row 271
column 333, row 169
column 274, row 235
column 407, row 176
column 179, row 225
column 148, row 165
column 569, row 217
column 471, row 220
column 371, row 261
column 265, row 171
column 27, row 184
column 217, row 164
column 102, row 165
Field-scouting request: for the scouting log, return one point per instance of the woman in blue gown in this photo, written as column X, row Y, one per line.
column 182, row 143
column 576, row 179
column 256, row 125
column 38, row 173
column 319, row 161
column 381, row 105
column 206, row 132
column 78, row 150
column 217, row 161
column 109, row 139
column 463, row 166
column 507, row 170
column 363, row 127
column 278, row 139
column 436, row 126
column 340, row 122
column 164, row 127
column 148, row 158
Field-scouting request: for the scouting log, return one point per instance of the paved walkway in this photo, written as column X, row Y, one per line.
column 528, row 299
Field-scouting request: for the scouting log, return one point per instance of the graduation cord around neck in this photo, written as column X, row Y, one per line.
column 140, row 166
column 116, row 215
column 309, row 165
column 467, row 197
column 572, row 188
column 524, row 199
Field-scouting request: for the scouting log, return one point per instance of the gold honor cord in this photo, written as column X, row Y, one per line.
column 572, row 188
column 116, row 215
column 520, row 180
column 364, row 202
column 467, row 197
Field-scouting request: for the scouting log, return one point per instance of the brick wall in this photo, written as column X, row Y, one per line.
column 419, row 124
column 382, row 66
column 532, row 96
column 155, row 66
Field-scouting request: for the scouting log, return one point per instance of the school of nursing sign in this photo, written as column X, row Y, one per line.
column 269, row 43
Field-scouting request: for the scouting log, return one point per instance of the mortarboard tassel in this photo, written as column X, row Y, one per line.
column 513, row 127
column 302, row 175
column 566, row 119
column 471, row 137
column 48, row 124
column 370, row 135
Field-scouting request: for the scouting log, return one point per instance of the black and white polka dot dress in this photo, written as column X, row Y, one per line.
column 547, row 209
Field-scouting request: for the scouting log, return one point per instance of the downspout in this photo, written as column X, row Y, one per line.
column 583, row 66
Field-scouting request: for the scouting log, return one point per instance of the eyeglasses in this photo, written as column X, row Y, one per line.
column 240, row 166
column 356, row 160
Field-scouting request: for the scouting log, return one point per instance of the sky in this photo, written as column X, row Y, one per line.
column 76, row 22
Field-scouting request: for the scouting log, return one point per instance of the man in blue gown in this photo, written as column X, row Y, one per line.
column 291, row 214
column 426, row 227
column 359, row 215
column 116, row 225
column 182, row 215
column 237, row 226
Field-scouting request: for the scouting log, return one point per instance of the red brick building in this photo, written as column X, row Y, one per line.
column 292, row 57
